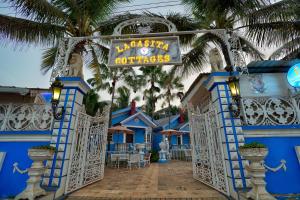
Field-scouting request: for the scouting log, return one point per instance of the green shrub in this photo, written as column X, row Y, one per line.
column 253, row 145
column 48, row 147
column 154, row 156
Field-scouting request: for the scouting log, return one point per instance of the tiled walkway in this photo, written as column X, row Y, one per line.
column 159, row 181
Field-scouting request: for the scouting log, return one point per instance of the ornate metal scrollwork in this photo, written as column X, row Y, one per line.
column 88, row 150
column 25, row 117
column 269, row 111
column 65, row 48
column 145, row 21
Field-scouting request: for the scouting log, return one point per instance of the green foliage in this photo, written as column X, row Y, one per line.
column 154, row 156
column 44, row 22
column 123, row 99
column 253, row 145
column 46, row 147
column 92, row 104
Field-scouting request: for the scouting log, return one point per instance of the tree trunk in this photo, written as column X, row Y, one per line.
column 169, row 109
column 112, row 101
column 110, row 112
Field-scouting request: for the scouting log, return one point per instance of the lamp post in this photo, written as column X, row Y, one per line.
column 56, row 88
column 234, row 87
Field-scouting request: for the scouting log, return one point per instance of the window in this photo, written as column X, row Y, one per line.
column 109, row 137
column 179, row 140
column 129, row 138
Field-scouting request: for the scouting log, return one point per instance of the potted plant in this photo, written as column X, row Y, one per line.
column 253, row 151
column 256, row 152
column 38, row 154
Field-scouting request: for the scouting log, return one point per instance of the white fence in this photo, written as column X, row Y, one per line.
column 18, row 117
column 270, row 110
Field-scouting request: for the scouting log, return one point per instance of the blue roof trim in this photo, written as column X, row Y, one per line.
column 269, row 127
column 175, row 118
column 26, row 132
column 219, row 74
column 138, row 109
column 271, row 66
column 121, row 110
column 74, row 79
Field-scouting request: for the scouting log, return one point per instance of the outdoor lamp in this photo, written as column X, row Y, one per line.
column 56, row 88
column 234, row 87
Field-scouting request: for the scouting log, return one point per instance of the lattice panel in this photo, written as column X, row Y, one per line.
column 88, row 150
column 269, row 111
column 207, row 155
column 15, row 117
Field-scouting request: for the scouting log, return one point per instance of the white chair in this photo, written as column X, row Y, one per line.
column 147, row 159
column 114, row 158
column 188, row 154
column 134, row 159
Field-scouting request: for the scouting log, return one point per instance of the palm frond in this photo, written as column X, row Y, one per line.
column 101, row 51
column 95, row 66
column 182, row 23
column 100, row 9
column 280, row 11
column 193, row 61
column 22, row 30
column 215, row 7
column 250, row 49
column 273, row 33
column 48, row 59
column 38, row 10
column 287, row 50
column 107, row 27
column 293, row 55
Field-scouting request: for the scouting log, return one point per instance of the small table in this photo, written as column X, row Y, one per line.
column 117, row 157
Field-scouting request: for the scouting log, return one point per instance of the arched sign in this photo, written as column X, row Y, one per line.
column 145, row 52
column 293, row 75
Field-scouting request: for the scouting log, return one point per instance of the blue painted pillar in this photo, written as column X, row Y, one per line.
column 231, row 132
column 71, row 98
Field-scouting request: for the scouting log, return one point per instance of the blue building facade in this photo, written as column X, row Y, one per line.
column 181, row 140
column 269, row 114
column 135, row 120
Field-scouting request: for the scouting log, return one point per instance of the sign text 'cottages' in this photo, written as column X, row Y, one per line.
column 144, row 51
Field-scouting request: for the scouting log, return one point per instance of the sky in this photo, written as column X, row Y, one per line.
column 20, row 65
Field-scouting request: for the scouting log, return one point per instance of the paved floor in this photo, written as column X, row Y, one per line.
column 159, row 181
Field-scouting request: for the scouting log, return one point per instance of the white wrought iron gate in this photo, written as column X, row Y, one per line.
column 88, row 149
column 207, row 153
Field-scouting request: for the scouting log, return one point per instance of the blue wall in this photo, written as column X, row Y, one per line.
column 281, row 182
column 11, row 183
column 139, row 135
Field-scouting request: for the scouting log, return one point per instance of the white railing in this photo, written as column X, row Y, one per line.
column 17, row 117
column 270, row 110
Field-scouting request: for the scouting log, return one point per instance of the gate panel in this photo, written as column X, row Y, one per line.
column 207, row 155
column 88, row 149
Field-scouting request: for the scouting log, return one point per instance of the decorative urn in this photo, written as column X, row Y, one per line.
column 36, row 170
column 255, row 153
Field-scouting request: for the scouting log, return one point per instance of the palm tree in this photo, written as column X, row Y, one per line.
column 151, row 76
column 124, row 97
column 112, row 76
column 195, row 59
column 277, row 24
column 92, row 103
column 46, row 22
column 173, row 89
